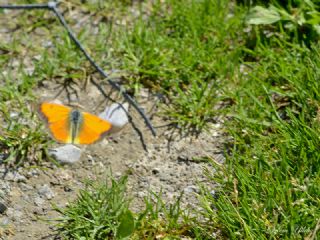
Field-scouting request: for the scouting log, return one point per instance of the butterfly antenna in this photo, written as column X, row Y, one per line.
column 53, row 7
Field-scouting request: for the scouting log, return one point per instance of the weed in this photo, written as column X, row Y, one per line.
column 100, row 212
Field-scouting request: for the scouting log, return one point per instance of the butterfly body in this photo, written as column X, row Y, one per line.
column 75, row 121
column 68, row 125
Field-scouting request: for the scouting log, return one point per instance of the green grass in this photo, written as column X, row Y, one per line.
column 207, row 62
column 185, row 51
column 21, row 140
column 102, row 211
column 274, row 169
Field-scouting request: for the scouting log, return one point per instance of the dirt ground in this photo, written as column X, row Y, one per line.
column 169, row 164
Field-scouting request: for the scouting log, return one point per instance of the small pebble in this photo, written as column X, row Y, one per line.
column 156, row 171
column 4, row 221
column 3, row 208
column 39, row 211
column 15, row 177
column 63, row 175
column 25, row 187
column 15, row 214
column 191, row 189
column 141, row 194
column 117, row 174
column 38, row 201
column 67, row 189
column 5, row 188
column 45, row 192
column 33, row 173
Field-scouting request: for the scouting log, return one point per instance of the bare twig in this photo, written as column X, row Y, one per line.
column 52, row 6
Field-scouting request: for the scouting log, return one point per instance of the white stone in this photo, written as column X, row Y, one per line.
column 67, row 154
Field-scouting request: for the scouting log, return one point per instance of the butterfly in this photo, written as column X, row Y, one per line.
column 69, row 125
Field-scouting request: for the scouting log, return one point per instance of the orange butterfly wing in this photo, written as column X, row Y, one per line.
column 57, row 117
column 93, row 128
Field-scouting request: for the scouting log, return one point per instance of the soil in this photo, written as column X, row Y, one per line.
column 170, row 163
